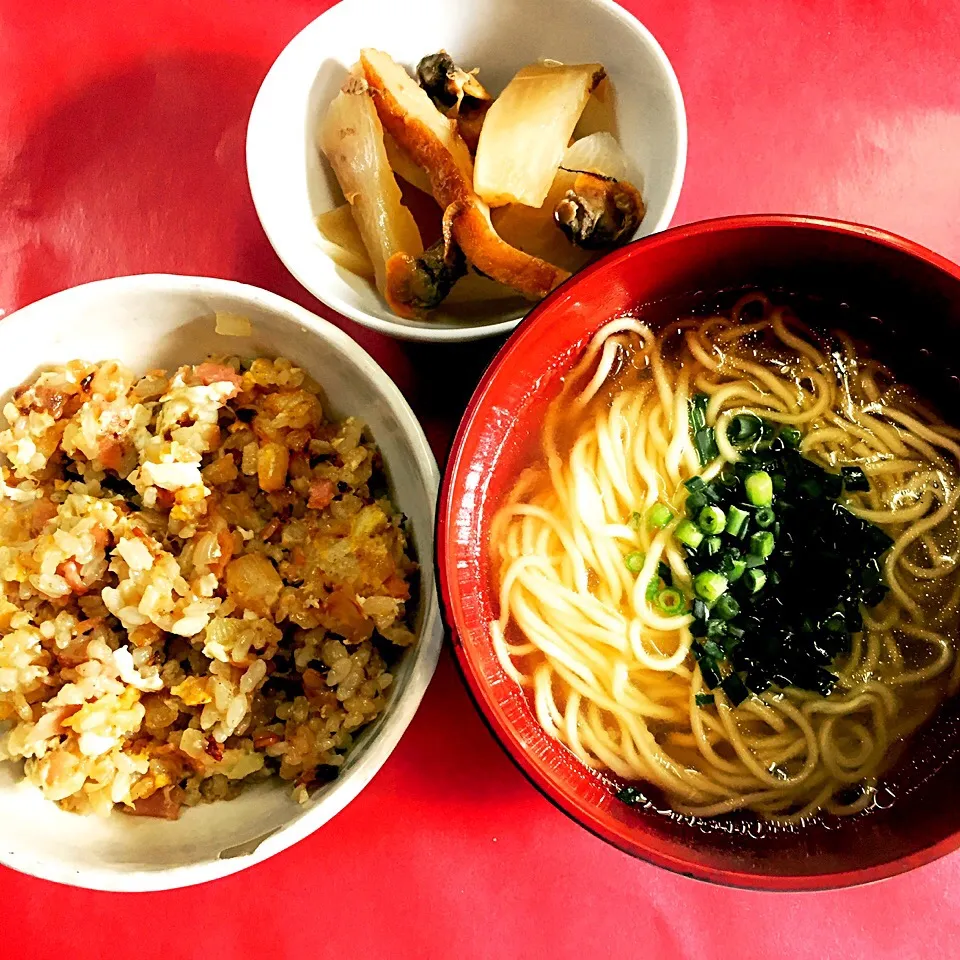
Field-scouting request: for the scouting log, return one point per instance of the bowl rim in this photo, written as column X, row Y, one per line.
column 480, row 691
column 430, row 638
column 396, row 328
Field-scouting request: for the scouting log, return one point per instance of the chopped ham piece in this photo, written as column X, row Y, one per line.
column 71, row 573
column 207, row 373
column 321, row 494
column 164, row 804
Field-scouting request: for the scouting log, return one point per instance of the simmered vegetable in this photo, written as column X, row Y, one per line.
column 432, row 141
column 352, row 139
column 341, row 241
column 527, row 130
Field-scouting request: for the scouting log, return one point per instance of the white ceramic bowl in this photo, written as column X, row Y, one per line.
column 163, row 321
column 291, row 183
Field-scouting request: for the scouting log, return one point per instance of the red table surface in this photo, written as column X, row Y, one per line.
column 121, row 151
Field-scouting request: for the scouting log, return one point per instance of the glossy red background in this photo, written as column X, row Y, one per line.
column 121, row 150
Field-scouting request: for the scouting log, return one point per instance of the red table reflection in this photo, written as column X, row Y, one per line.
column 121, row 151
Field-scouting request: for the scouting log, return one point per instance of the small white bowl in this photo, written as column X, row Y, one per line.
column 291, row 183
column 163, row 321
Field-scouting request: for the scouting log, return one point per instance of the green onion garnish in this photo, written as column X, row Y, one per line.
column 743, row 428
column 688, row 534
column 706, row 445
column 712, row 546
column 726, row 608
column 759, row 488
column 634, row 561
column 754, row 580
column 670, row 601
column 761, row 544
column 736, row 521
column 712, row 519
column 658, row 516
column 709, row 586
column 732, row 567
column 703, row 699
column 791, row 437
column 764, row 517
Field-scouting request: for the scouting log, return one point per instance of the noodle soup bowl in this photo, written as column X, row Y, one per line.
column 909, row 294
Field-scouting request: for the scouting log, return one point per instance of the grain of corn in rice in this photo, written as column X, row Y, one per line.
column 173, row 625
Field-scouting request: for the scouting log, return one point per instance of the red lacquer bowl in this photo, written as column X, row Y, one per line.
column 916, row 293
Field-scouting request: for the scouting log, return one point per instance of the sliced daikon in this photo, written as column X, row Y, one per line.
column 351, row 137
column 526, row 131
column 597, row 153
column 340, row 240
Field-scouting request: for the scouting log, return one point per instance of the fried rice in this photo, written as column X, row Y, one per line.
column 205, row 584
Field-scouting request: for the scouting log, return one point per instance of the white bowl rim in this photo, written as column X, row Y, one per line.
column 429, row 643
column 451, row 334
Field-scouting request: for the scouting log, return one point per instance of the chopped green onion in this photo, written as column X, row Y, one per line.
column 670, row 601
column 754, row 580
column 736, row 519
column 706, row 444
column 716, row 629
column 779, row 483
column 854, row 479
column 658, row 516
column 712, row 546
column 696, row 501
column 764, row 517
column 700, row 611
column 695, row 484
column 688, row 534
column 698, row 411
column 791, row 437
column 709, row 585
column 653, row 588
column 759, row 488
column 743, row 428
column 761, row 544
column 712, row 519
column 634, row 561
column 732, row 567
column 703, row 699
column 726, row 608
column 712, row 649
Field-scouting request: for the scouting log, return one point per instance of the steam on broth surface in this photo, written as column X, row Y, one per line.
column 732, row 572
